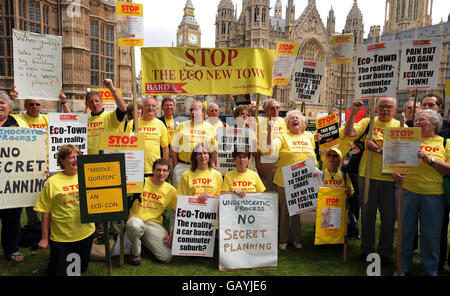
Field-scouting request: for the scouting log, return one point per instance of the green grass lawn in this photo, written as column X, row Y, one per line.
column 325, row 260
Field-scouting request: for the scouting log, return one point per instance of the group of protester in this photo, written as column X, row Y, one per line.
column 181, row 159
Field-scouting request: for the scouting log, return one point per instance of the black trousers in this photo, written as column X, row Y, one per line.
column 10, row 230
column 59, row 253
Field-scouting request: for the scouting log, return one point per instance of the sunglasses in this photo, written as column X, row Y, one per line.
column 34, row 104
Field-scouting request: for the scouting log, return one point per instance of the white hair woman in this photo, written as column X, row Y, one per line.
column 424, row 194
column 294, row 146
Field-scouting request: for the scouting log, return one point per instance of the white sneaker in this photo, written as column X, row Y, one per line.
column 282, row 246
column 297, row 245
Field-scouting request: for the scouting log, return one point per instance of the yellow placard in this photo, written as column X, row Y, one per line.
column 330, row 216
column 342, row 49
column 129, row 9
column 206, row 71
column 285, row 55
column 396, row 143
column 102, row 174
column 107, row 200
column 131, row 42
column 447, row 89
column 106, row 94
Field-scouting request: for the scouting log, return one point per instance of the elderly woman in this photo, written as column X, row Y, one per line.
column 296, row 145
column 423, row 195
column 61, row 223
column 10, row 218
column 201, row 179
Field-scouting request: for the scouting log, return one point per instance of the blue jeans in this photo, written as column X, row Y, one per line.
column 431, row 209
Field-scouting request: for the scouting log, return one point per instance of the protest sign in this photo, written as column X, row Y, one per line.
column 284, row 62
column 228, row 138
column 102, row 188
column 65, row 128
column 419, row 63
column 201, row 71
column 22, row 166
column 377, row 66
column 330, row 217
column 248, row 231
column 195, row 226
column 107, row 97
column 400, row 147
column 342, row 49
column 300, row 186
column 37, row 65
column 328, row 127
column 132, row 145
column 130, row 16
column 307, row 81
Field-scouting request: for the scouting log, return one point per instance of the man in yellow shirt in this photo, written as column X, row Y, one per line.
column 187, row 136
column 267, row 163
column 168, row 108
column 156, row 134
column 382, row 186
column 146, row 216
column 213, row 113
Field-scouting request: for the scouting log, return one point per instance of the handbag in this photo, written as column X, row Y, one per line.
column 350, row 163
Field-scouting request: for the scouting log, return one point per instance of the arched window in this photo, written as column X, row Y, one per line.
column 311, row 51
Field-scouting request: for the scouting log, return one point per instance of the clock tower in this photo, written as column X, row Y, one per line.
column 188, row 33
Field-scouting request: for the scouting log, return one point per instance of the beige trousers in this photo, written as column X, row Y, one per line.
column 289, row 226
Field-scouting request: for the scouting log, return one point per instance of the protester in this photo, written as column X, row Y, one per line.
column 294, row 146
column 242, row 119
column 168, row 108
column 382, row 187
column 130, row 115
column 62, row 229
column 156, row 134
column 201, row 179
column 187, row 136
column 433, row 102
column 213, row 113
column 424, row 194
column 266, row 163
column 146, row 216
column 241, row 179
column 409, row 110
column 10, row 218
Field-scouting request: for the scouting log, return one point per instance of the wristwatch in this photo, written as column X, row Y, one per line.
column 379, row 150
column 432, row 161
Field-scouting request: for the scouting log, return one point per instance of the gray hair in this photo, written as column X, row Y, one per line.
column 5, row 97
column 267, row 102
column 434, row 117
column 407, row 102
column 295, row 112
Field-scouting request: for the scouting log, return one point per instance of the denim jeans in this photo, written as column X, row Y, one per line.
column 431, row 210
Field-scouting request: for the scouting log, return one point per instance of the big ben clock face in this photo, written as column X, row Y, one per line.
column 193, row 38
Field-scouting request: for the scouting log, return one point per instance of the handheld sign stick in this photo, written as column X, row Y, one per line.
column 400, row 209
column 369, row 153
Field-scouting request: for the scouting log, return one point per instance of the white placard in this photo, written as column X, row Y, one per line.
column 65, row 128
column 306, row 82
column 300, row 186
column 248, row 231
column 22, row 166
column 195, row 226
column 376, row 70
column 37, row 65
column 419, row 64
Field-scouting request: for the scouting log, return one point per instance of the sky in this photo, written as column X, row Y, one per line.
column 161, row 20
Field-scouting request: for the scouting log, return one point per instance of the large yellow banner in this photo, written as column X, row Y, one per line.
column 206, row 71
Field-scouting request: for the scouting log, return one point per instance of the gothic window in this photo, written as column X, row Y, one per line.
column 256, row 15
column 6, row 25
column 311, row 51
column 102, row 52
column 263, row 15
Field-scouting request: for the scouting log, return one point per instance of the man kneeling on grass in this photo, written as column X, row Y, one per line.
column 146, row 216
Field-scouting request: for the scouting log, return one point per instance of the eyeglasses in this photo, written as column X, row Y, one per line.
column 34, row 104
column 333, row 155
column 195, row 110
column 386, row 106
column 149, row 106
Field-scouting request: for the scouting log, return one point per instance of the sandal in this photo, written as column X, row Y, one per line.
column 15, row 257
column 135, row 260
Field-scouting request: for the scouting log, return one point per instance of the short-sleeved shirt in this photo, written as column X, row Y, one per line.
column 429, row 180
column 377, row 158
column 59, row 197
column 40, row 121
column 195, row 183
column 279, row 128
column 292, row 149
column 189, row 134
column 106, row 121
column 336, row 180
column 247, row 182
column 154, row 201
column 156, row 137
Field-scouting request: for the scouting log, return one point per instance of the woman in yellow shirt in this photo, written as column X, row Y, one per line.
column 62, row 229
column 201, row 179
column 294, row 146
column 423, row 195
column 241, row 179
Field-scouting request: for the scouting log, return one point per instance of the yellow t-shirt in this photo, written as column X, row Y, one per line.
column 336, row 180
column 429, row 180
column 377, row 158
column 292, row 149
column 248, row 181
column 279, row 128
column 195, row 183
column 19, row 120
column 156, row 137
column 188, row 134
column 97, row 124
column 170, row 124
column 40, row 121
column 154, row 201
column 59, row 197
